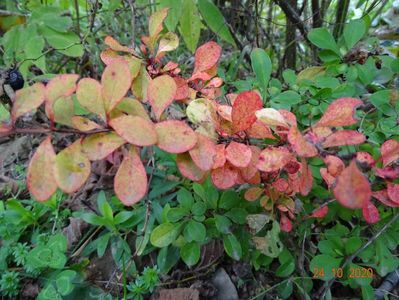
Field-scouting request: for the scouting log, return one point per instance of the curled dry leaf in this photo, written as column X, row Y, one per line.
column 135, row 130
column 71, row 168
column 40, row 176
column 98, row 146
column 161, row 93
column 352, row 189
column 28, row 99
column 244, row 108
column 188, row 168
column 238, row 154
column 344, row 137
column 130, row 181
column 175, row 136
column 340, row 113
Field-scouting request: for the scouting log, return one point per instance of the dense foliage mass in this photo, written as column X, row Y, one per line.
column 201, row 165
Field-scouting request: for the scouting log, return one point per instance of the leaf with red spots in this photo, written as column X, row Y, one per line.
column 161, row 93
column 238, row 154
column 220, row 157
column 321, row 212
column 352, row 189
column 135, row 130
column 40, row 176
column 204, row 152
column 206, row 56
column 244, row 108
column 285, row 223
column 115, row 81
column 130, row 182
column 60, row 86
column 253, row 193
column 71, row 168
column 188, row 168
column 28, row 99
column 300, row 145
column 273, row 159
column 98, row 146
column 84, row 124
column 389, row 152
column 370, row 213
column 344, row 137
column 382, row 196
column 89, row 95
column 224, row 177
column 393, row 192
column 340, row 113
column 175, row 136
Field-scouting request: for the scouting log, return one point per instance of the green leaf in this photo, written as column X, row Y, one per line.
column 58, row 260
column 353, row 32
column 123, row 216
column 67, row 43
column 92, row 218
column 262, row 66
column 104, row 207
column 176, row 214
column 352, row 244
column 237, row 215
column 288, row 97
column 194, row 231
column 163, row 235
column 57, row 242
column 174, row 13
column 185, row 198
column 102, row 243
column 229, row 199
column 190, row 24
column 222, row 224
column 49, row 293
column 64, row 282
column 190, row 253
column 232, row 246
column 167, row 258
column 215, row 20
column 198, row 209
column 323, row 39
column 368, row 292
column 326, row 263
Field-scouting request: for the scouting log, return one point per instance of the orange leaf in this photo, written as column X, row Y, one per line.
column 206, row 57
column 84, row 124
column 161, row 93
column 306, row 179
column 116, row 81
column 204, row 152
column 182, row 91
column 344, row 137
column 382, row 196
column 389, row 152
column 259, row 130
column 60, row 86
column 224, row 177
column 253, row 193
column 116, row 46
column 40, row 178
column 89, row 95
column 220, row 158
column 175, row 136
column 352, row 189
column 340, row 113
column 273, row 159
column 98, row 146
column 334, row 165
column 71, row 168
column 300, row 145
column 28, row 99
column 130, row 182
column 393, row 192
column 188, row 168
column 370, row 213
column 244, row 108
column 250, row 171
column 135, row 130
column 238, row 154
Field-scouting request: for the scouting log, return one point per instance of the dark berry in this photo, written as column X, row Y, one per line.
column 15, row 79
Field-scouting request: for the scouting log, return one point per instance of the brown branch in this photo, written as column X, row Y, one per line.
column 46, row 130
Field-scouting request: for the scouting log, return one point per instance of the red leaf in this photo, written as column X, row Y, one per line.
column 175, row 136
column 238, row 154
column 259, row 130
column 382, row 196
column 188, row 168
column 28, row 99
column 116, row 81
column 206, row 57
column 300, row 145
column 306, row 179
column 321, row 212
column 135, row 130
column 250, row 171
column 339, row 113
column 365, row 159
column 161, row 93
column 182, row 91
column 393, row 192
column 71, row 168
column 253, row 193
column 334, row 165
column 370, row 213
column 352, row 189
column 130, row 182
column 327, row 177
column 40, row 176
column 244, row 108
column 390, row 172
column 285, row 223
column 389, row 152
column 344, row 137
column 204, row 152
column 98, row 146
column 224, row 177
column 220, row 157
column 273, row 159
